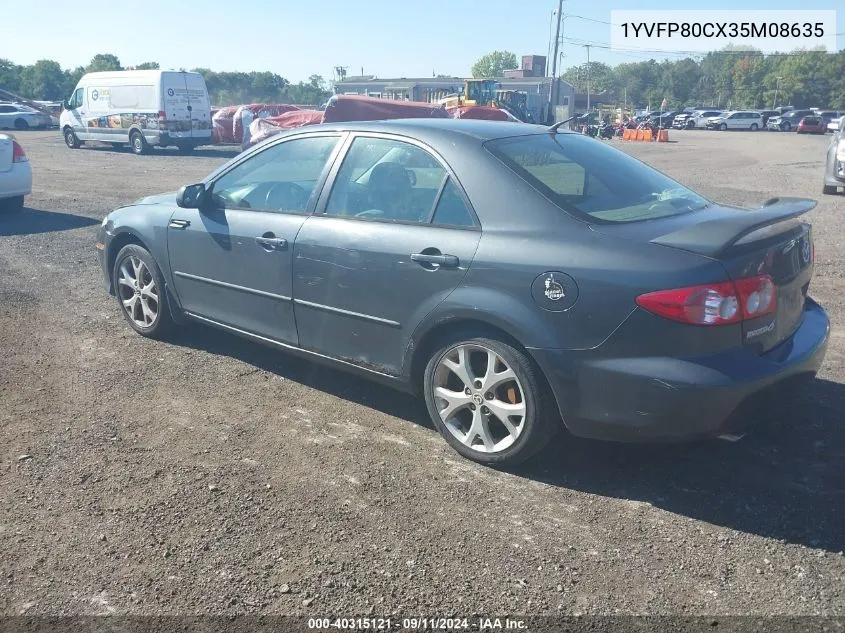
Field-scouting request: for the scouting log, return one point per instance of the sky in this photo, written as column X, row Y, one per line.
column 299, row 38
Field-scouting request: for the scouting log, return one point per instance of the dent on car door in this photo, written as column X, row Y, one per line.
column 232, row 260
column 390, row 241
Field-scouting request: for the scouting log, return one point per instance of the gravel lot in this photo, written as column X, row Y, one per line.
column 212, row 475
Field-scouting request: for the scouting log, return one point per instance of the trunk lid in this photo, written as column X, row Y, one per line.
column 770, row 240
column 6, row 152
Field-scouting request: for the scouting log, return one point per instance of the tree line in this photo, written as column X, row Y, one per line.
column 47, row 80
column 729, row 78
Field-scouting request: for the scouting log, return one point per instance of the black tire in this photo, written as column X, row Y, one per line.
column 186, row 148
column 753, row 127
column 162, row 324
column 12, row 205
column 137, row 143
column 786, row 126
column 541, row 420
column 829, row 189
column 21, row 124
column 71, row 140
column 723, row 127
column 690, row 125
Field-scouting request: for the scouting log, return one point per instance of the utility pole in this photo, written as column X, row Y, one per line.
column 553, row 87
column 777, row 86
column 587, row 46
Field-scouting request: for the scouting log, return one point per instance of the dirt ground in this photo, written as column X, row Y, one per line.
column 212, row 475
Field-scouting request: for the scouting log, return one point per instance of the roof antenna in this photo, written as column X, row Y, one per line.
column 554, row 128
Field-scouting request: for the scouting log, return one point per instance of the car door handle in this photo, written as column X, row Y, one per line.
column 277, row 243
column 446, row 261
column 179, row 224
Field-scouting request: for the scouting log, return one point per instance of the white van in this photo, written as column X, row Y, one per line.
column 141, row 108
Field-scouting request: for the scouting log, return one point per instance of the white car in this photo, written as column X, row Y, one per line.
column 835, row 124
column 14, row 116
column 736, row 120
column 15, row 174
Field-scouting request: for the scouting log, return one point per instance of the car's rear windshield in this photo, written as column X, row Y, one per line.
column 593, row 181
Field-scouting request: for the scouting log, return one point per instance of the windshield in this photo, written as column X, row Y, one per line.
column 593, row 181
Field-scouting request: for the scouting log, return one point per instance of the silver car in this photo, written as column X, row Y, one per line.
column 834, row 171
column 14, row 116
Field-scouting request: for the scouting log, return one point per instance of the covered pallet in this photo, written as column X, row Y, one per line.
column 246, row 114
column 358, row 108
column 261, row 129
column 487, row 113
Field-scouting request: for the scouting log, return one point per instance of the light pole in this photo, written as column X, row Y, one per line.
column 777, row 86
column 587, row 46
column 553, row 84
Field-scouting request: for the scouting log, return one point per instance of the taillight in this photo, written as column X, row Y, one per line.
column 714, row 304
column 18, row 155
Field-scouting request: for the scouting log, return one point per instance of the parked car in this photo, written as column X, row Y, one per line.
column 788, row 121
column 700, row 117
column 739, row 120
column 684, row 121
column 768, row 114
column 15, row 174
column 141, row 108
column 633, row 309
column 834, row 171
column 811, row 125
column 835, row 124
column 14, row 116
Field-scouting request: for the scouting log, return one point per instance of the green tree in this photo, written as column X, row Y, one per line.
column 104, row 61
column 45, row 79
column 146, row 66
column 494, row 64
column 10, row 76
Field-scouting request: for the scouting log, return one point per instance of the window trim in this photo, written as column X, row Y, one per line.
column 328, row 185
column 211, row 180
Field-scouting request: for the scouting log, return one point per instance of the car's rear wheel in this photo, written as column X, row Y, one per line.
column 185, row 148
column 753, row 127
column 138, row 143
column 71, row 140
column 11, row 204
column 488, row 400
column 21, row 124
column 723, row 127
column 786, row 126
column 141, row 295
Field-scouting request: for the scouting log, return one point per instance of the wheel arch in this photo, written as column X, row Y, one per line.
column 124, row 238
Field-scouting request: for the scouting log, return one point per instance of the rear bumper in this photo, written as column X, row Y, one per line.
column 673, row 399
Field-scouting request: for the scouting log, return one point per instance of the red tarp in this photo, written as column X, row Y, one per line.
column 358, row 108
column 221, row 125
column 260, row 129
column 488, row 113
column 246, row 113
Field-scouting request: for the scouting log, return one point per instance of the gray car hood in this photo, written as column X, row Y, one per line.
column 159, row 198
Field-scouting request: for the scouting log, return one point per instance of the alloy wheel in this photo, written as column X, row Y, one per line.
column 479, row 398
column 138, row 293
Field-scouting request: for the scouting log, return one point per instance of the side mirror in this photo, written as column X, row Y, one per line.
column 192, row 196
column 66, row 104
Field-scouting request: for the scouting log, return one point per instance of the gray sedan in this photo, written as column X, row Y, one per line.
column 521, row 279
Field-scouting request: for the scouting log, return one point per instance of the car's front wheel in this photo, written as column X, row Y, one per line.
column 786, row 126
column 21, row 124
column 141, row 295
column 753, row 127
column 488, row 400
column 71, row 140
column 723, row 127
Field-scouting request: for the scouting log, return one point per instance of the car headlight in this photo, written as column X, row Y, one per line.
column 840, row 150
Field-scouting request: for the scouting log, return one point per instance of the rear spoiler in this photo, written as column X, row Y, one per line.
column 713, row 237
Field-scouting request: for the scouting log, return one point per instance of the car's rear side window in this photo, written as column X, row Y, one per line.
column 587, row 178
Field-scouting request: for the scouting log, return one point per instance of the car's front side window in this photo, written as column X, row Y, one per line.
column 280, row 178
column 386, row 179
